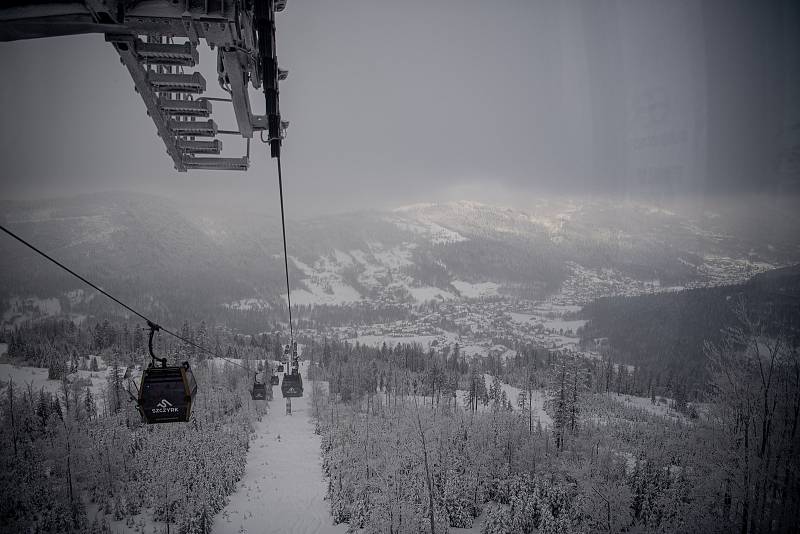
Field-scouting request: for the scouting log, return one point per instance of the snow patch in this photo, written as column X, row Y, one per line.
column 36, row 377
column 660, row 408
column 559, row 324
column 428, row 293
column 323, row 284
column 393, row 258
column 537, row 401
column 251, row 304
column 478, row 290
column 391, row 341
column 283, row 488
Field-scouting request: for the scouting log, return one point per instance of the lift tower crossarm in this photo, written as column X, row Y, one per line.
column 125, row 47
column 143, row 33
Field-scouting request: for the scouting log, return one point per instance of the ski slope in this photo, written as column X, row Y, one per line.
column 283, row 489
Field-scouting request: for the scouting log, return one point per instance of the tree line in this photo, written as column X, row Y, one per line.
column 77, row 457
column 410, row 445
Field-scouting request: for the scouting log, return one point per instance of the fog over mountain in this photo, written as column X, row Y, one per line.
column 157, row 250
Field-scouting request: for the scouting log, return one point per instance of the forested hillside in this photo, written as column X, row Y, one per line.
column 184, row 264
column 406, row 451
column 665, row 334
column 76, row 456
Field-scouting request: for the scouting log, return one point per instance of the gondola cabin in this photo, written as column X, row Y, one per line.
column 280, row 368
column 274, row 380
column 166, row 394
column 292, row 385
column 259, row 391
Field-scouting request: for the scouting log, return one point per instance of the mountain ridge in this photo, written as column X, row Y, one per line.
column 152, row 249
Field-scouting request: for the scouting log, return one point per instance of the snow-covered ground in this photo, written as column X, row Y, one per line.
column 474, row 350
column 391, row 341
column 36, row 378
column 23, row 375
column 323, row 284
column 661, row 407
column 537, row 400
column 560, row 324
column 472, row 291
column 249, row 304
column 283, row 489
column 427, row 293
column 522, row 318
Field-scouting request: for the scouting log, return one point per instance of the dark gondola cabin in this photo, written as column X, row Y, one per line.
column 274, row 380
column 259, row 391
column 280, row 368
column 166, row 394
column 292, row 385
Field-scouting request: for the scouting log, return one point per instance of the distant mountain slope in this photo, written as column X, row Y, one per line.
column 177, row 261
column 665, row 333
column 139, row 246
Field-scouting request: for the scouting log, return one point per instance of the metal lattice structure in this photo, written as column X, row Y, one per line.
column 157, row 41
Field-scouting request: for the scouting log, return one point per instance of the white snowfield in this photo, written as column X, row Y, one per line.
column 35, row 378
column 283, row 489
column 249, row 304
column 428, row 293
column 537, row 400
column 391, row 341
column 24, row 376
column 662, row 407
column 324, row 284
column 478, row 290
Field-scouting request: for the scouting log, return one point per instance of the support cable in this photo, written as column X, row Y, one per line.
column 285, row 255
column 150, row 322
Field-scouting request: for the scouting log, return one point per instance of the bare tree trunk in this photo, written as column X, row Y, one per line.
column 608, row 508
column 528, row 398
column 108, row 464
column 787, row 506
column 574, row 407
column 366, row 443
column 746, row 496
column 428, row 479
column 69, row 464
column 11, row 411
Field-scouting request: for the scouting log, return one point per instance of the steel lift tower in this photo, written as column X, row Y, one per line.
column 157, row 41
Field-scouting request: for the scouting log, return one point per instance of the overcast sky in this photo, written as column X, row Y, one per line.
column 399, row 102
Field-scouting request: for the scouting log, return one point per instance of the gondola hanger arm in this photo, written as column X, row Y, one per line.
column 153, row 329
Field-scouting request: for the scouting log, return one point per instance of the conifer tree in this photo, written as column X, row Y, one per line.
column 88, row 404
column 565, row 394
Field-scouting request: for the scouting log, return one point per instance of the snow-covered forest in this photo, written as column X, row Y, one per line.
column 77, row 458
column 405, row 453
column 412, row 440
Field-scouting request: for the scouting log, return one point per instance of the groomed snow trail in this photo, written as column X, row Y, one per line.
column 283, row 489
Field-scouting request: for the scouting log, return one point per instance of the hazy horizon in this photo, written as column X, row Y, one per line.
column 498, row 103
column 500, row 197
